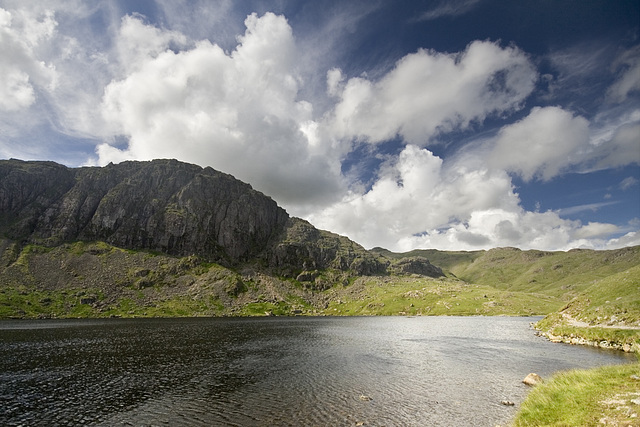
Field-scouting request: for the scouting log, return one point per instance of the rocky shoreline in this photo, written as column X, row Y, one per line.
column 577, row 340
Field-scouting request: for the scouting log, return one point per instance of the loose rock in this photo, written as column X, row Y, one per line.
column 532, row 379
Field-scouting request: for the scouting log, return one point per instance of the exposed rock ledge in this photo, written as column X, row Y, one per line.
column 574, row 340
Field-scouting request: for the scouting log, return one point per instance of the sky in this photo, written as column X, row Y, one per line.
column 454, row 125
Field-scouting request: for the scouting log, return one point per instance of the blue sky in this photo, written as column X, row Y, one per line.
column 458, row 125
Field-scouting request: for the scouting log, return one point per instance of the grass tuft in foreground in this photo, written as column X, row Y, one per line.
column 602, row 396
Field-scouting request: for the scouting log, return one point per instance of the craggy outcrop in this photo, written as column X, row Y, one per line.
column 162, row 205
column 27, row 190
column 416, row 265
column 170, row 207
column 304, row 247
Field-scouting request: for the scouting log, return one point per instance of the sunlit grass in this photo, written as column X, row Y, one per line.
column 553, row 273
column 20, row 303
column 425, row 296
column 600, row 396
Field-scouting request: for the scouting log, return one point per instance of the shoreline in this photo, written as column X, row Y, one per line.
column 573, row 339
column 562, row 328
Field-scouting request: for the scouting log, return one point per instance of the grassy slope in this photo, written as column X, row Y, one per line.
column 99, row 280
column 596, row 284
column 600, row 396
column 559, row 274
column 613, row 299
column 446, row 260
column 500, row 281
column 605, row 304
column 406, row 295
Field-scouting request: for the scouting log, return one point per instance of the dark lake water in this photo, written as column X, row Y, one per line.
column 380, row 371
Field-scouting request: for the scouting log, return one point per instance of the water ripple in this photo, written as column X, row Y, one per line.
column 274, row 372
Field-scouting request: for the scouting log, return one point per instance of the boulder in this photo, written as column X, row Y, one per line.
column 532, row 379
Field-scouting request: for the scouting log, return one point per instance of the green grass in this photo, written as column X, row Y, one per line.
column 78, row 248
column 614, row 298
column 554, row 273
column 446, row 260
column 172, row 307
column 598, row 285
column 27, row 251
column 584, row 398
column 424, row 296
column 612, row 301
column 20, row 303
column 292, row 305
column 556, row 325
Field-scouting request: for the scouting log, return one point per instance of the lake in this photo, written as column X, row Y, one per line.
column 296, row 371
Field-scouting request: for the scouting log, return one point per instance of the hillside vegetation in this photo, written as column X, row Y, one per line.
column 95, row 279
column 562, row 274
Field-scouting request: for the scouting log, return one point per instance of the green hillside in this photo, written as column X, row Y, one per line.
column 590, row 297
column 606, row 314
column 97, row 280
column 612, row 300
column 554, row 273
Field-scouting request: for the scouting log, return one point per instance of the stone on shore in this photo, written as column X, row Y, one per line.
column 532, row 379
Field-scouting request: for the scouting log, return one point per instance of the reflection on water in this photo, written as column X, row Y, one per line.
column 380, row 371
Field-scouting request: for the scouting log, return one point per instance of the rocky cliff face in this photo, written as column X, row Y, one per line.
column 304, row 247
column 170, row 207
column 163, row 205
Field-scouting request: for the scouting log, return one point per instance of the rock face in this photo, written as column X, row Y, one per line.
column 304, row 246
column 170, row 207
column 416, row 265
column 163, row 205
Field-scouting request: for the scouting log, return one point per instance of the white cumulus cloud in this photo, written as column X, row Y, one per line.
column 417, row 194
column 22, row 72
column 428, row 93
column 595, row 229
column 542, row 144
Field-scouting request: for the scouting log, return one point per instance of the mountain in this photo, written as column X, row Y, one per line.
column 155, row 235
column 163, row 205
column 166, row 238
column 169, row 207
